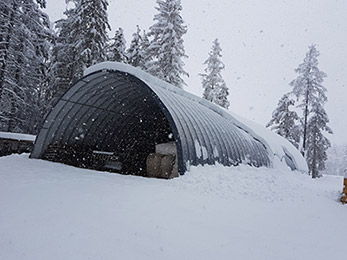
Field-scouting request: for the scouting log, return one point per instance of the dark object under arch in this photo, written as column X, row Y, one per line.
column 127, row 112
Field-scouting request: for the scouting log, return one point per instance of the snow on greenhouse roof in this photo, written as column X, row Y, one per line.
column 279, row 145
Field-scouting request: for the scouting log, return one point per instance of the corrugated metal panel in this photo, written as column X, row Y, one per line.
column 239, row 145
column 106, row 108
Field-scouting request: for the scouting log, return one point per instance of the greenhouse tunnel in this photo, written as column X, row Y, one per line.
column 123, row 113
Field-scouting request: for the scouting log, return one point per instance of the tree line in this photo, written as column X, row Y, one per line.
column 38, row 64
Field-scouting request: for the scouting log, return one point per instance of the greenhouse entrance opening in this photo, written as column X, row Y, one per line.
column 113, row 126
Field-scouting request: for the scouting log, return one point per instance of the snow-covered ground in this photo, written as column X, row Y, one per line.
column 54, row 211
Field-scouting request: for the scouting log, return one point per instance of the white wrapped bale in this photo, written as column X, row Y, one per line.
column 166, row 148
column 169, row 148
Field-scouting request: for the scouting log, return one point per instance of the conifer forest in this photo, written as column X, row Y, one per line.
column 40, row 59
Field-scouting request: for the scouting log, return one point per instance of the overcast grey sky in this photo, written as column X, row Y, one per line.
column 262, row 41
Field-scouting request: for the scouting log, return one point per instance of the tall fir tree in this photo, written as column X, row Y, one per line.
column 25, row 37
column 117, row 48
column 42, row 36
column 285, row 121
column 135, row 52
column 81, row 42
column 90, row 29
column 317, row 143
column 145, row 53
column 311, row 95
column 307, row 87
column 166, row 48
column 215, row 89
column 64, row 63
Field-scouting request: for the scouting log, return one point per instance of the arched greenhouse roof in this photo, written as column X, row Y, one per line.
column 121, row 109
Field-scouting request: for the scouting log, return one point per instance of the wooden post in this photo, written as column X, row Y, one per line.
column 344, row 192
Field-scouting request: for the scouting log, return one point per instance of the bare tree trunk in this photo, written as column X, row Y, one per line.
column 305, row 122
column 314, row 160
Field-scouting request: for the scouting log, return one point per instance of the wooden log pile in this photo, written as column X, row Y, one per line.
column 344, row 192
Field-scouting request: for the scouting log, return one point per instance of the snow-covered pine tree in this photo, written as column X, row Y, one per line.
column 135, row 52
column 116, row 50
column 145, row 53
column 81, row 42
column 12, row 36
column 42, row 35
column 317, row 143
column 64, row 63
column 307, row 87
column 285, row 121
column 90, row 32
column 166, row 44
column 215, row 89
column 310, row 93
column 24, row 43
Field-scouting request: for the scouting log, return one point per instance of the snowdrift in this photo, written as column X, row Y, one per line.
column 54, row 211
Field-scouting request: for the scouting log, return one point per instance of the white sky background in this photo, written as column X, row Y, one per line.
column 262, row 42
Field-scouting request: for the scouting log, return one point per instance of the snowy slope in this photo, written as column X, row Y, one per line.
column 54, row 211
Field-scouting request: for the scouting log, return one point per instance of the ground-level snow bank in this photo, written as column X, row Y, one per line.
column 55, row 211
